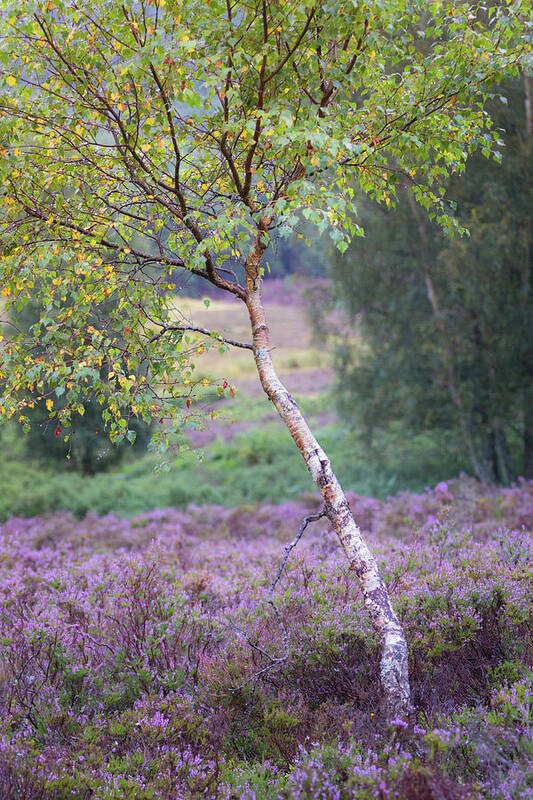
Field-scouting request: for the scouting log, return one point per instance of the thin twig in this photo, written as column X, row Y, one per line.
column 291, row 546
column 205, row 331
column 274, row 662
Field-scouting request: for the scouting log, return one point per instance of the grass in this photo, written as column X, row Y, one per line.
column 122, row 672
column 257, row 465
column 250, row 461
column 288, row 325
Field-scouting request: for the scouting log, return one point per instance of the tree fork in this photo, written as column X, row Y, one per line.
column 393, row 666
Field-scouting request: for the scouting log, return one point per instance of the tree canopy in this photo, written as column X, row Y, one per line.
column 142, row 139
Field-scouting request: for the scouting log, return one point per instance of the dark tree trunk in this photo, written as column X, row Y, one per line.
column 528, row 431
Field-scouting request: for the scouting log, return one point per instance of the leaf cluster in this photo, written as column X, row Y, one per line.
column 146, row 139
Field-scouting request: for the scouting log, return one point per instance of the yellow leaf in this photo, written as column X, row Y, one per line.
column 10, row 80
column 49, row 404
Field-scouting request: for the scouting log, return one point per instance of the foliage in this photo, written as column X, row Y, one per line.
column 121, row 655
column 259, row 465
column 146, row 138
column 447, row 322
column 88, row 449
column 86, row 446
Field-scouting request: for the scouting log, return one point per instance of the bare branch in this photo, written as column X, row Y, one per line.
column 293, row 49
column 291, row 546
column 275, row 662
column 204, row 331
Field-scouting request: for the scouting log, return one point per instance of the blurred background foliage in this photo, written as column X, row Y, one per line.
column 89, row 449
column 447, row 322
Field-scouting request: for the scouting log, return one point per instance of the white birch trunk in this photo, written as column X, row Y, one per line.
column 393, row 669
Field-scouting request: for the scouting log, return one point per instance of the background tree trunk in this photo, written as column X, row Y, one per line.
column 393, row 668
column 528, row 430
column 480, row 464
column 526, row 288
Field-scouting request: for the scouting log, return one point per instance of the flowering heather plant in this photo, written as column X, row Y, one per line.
column 133, row 653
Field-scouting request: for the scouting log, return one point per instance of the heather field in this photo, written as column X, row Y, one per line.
column 135, row 652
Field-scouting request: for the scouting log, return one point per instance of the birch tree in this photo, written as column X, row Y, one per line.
column 147, row 138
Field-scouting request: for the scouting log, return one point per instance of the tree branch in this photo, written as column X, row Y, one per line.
column 291, row 546
column 274, row 662
column 204, row 331
column 293, row 49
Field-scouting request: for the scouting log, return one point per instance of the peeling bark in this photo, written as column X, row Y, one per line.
column 393, row 668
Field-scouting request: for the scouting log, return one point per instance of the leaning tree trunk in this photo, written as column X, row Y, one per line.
column 393, row 668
